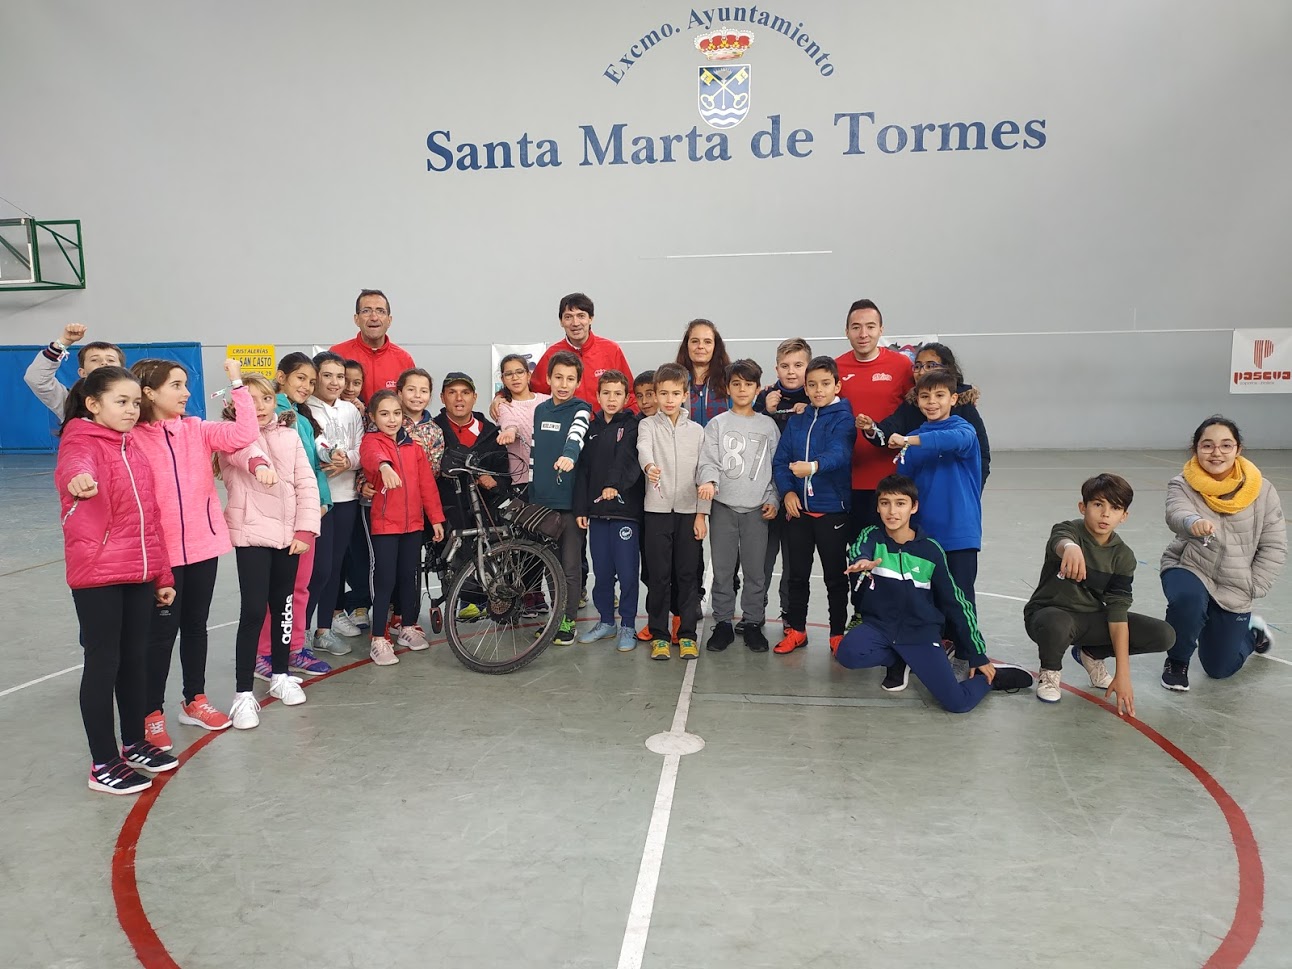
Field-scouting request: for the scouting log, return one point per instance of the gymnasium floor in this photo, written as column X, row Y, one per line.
column 426, row 816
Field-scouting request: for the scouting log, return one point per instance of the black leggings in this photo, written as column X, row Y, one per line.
column 396, row 560
column 114, row 637
column 329, row 553
column 186, row 616
column 266, row 578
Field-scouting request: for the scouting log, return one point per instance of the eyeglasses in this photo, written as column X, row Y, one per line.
column 514, row 373
column 927, row 366
column 370, row 311
column 1227, row 447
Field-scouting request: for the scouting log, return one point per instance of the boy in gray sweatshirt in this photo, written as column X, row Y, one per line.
column 668, row 449
column 736, row 472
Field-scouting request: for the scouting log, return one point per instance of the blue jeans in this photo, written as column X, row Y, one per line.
column 865, row 646
column 615, row 544
column 1223, row 639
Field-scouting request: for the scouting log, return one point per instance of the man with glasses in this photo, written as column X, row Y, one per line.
column 382, row 360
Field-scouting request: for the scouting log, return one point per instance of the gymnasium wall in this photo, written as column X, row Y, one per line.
column 1081, row 199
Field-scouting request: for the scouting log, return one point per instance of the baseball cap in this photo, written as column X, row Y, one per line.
column 457, row 377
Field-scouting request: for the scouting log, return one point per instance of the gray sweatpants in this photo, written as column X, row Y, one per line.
column 737, row 535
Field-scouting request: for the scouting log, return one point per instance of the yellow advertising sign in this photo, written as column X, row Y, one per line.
column 255, row 358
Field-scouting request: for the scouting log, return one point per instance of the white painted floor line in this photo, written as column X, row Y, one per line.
column 1274, row 659
column 39, row 679
column 633, row 949
column 71, row 669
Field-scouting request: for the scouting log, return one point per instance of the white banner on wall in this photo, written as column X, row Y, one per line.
column 530, row 351
column 1260, row 362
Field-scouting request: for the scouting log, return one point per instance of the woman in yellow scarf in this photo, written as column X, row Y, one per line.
column 1230, row 544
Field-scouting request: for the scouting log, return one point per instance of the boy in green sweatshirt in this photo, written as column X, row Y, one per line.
column 560, row 425
column 1084, row 597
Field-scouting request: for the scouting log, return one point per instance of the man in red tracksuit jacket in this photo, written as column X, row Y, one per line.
column 598, row 353
column 382, row 360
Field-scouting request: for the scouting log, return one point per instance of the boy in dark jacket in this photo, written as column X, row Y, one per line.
column 560, row 425
column 908, row 595
column 608, row 497
column 813, row 473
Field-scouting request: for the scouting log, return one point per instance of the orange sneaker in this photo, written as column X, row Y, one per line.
column 794, row 639
column 155, row 731
column 677, row 624
column 200, row 713
column 834, row 643
column 643, row 634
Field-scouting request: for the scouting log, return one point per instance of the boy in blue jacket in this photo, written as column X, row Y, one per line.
column 813, row 473
column 943, row 457
column 908, row 594
column 560, row 425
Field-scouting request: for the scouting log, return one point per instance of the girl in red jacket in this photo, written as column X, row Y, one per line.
column 406, row 488
column 117, row 568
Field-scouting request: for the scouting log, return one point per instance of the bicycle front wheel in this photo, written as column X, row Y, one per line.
column 502, row 619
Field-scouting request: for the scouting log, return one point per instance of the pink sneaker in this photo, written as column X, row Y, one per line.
column 155, row 730
column 382, row 653
column 200, row 713
column 414, row 638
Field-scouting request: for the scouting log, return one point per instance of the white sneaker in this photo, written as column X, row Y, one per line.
column 414, row 638
column 1047, row 687
column 1100, row 678
column 245, row 712
column 343, row 625
column 328, row 641
column 382, row 653
column 286, row 688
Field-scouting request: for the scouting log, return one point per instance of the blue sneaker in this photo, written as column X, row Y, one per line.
column 602, row 630
column 627, row 639
column 304, row 661
column 264, row 670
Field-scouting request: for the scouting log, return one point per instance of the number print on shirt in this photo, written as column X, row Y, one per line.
column 741, row 452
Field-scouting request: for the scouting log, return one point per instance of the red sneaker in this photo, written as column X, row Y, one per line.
column 155, row 731
column 643, row 634
column 794, row 639
column 677, row 624
column 200, row 713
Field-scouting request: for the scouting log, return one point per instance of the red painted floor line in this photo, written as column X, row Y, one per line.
column 1230, row 954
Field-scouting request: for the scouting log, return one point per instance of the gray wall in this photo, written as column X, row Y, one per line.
column 243, row 168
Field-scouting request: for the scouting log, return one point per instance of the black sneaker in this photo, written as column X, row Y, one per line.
column 897, row 677
column 1175, row 676
column 1011, row 679
column 721, row 637
column 144, row 756
column 564, row 633
column 853, row 623
column 118, row 777
column 1261, row 638
column 756, row 639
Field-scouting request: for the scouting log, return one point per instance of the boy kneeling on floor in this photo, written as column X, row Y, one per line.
column 908, row 594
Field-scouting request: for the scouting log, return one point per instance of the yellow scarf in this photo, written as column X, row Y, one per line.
column 1233, row 493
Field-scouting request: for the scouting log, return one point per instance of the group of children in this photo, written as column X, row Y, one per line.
column 326, row 489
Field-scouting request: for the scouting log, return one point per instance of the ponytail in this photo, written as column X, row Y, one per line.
column 94, row 385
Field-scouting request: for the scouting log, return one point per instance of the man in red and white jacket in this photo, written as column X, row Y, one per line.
column 874, row 380
column 598, row 353
column 382, row 359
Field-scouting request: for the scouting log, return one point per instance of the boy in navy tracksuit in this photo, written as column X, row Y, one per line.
column 908, row 595
column 560, row 425
column 781, row 401
column 608, row 497
column 813, row 473
column 942, row 456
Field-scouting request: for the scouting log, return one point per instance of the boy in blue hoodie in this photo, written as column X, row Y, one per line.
column 943, row 457
column 560, row 425
column 813, row 473
column 908, row 595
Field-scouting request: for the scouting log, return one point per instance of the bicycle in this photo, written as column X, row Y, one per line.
column 502, row 588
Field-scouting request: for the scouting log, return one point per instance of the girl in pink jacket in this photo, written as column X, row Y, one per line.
column 116, row 567
column 273, row 516
column 180, row 448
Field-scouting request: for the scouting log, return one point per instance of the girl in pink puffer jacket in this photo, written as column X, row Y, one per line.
column 273, row 516
column 117, row 567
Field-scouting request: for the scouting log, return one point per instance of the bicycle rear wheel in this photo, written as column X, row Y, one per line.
column 504, row 619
